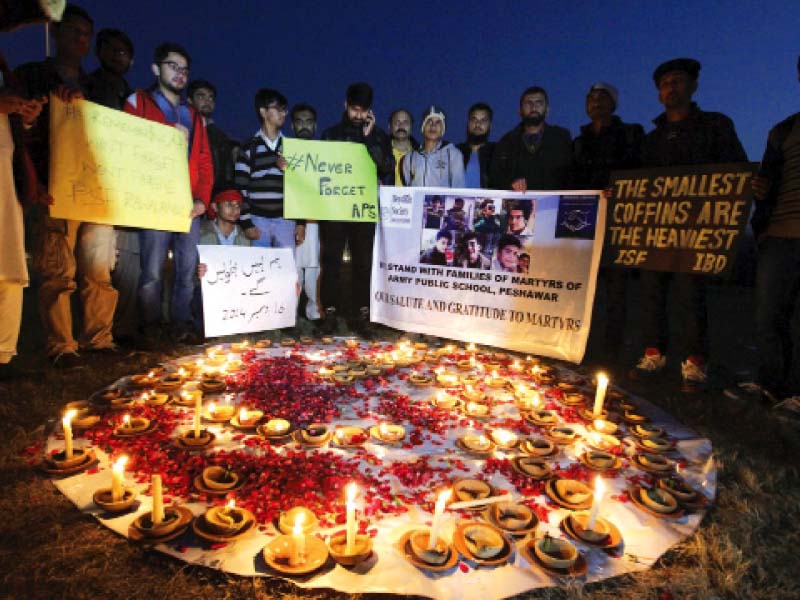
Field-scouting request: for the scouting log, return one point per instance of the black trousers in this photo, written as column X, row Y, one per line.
column 360, row 237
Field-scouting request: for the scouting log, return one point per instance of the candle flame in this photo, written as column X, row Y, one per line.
column 181, row 372
column 599, row 488
column 212, row 408
column 151, row 374
column 298, row 523
column 69, row 415
column 443, row 497
column 602, row 379
column 243, row 415
column 352, row 491
column 231, row 503
column 383, row 429
column 126, row 420
column 119, row 464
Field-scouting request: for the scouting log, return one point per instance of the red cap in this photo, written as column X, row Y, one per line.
column 228, row 196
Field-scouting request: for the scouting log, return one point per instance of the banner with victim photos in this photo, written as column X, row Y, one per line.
column 507, row 269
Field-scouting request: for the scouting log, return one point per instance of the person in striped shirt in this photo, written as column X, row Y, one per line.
column 259, row 177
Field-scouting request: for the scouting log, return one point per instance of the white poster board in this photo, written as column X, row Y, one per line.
column 247, row 289
column 529, row 286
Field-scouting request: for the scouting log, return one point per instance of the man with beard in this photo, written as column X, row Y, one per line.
column 684, row 135
column 534, row 155
column 202, row 95
column 357, row 125
column 107, row 86
column 604, row 145
column 64, row 249
column 162, row 103
column 306, row 254
column 477, row 150
column 400, row 122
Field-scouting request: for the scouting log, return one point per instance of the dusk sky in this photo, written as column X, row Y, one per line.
column 416, row 53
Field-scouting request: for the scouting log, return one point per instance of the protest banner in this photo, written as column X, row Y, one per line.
column 110, row 167
column 683, row 219
column 329, row 181
column 247, row 289
column 506, row 269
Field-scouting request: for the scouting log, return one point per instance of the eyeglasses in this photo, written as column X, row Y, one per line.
column 176, row 67
column 490, row 207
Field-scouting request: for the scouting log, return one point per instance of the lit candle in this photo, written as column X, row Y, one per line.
column 600, row 396
column 298, row 550
column 352, row 490
column 198, row 407
column 243, row 415
column 599, row 488
column 212, row 409
column 158, row 501
column 67, row 423
column 437, row 518
column 117, row 491
column 471, row 347
column 126, row 420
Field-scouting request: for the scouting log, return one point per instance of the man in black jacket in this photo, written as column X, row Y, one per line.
column 357, row 125
column 477, row 150
column 534, row 155
column 684, row 135
column 604, row 145
column 202, row 95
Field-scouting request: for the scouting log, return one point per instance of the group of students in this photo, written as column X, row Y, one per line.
column 238, row 199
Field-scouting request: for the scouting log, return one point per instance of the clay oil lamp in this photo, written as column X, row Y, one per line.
column 143, row 380
column 601, row 441
column 188, row 397
column 155, row 399
column 495, row 381
column 117, row 498
column 247, row 419
column 240, row 347
column 658, row 500
column 646, row 430
column 470, row 379
column 350, row 548
column 446, row 378
column 444, row 400
column 131, row 426
column 476, row 443
column 315, row 434
column 169, row 382
column 427, row 545
column 599, row 460
column 532, row 466
column 162, row 521
column 477, row 410
column 516, row 519
column 389, row 433
column 325, row 373
column 83, row 418
column 544, row 417
column 220, row 479
column 538, row 447
column 504, row 439
column 277, row 427
column 227, row 521
column 472, row 394
column 218, row 413
column 654, row 463
column 466, row 364
column 603, row 426
column 420, row 379
column 655, row 444
column 555, row 553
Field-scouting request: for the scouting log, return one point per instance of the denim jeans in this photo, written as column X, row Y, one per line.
column 778, row 315
column 154, row 245
column 275, row 233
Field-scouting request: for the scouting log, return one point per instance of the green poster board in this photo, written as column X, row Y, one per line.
column 329, row 181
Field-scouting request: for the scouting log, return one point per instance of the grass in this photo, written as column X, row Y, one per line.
column 746, row 547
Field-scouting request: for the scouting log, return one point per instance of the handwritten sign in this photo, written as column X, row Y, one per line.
column 682, row 219
column 247, row 289
column 110, row 167
column 329, row 181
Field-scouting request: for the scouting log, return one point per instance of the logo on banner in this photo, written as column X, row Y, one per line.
column 397, row 213
column 576, row 217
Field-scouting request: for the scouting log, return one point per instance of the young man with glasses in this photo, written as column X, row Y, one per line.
column 162, row 103
column 259, row 176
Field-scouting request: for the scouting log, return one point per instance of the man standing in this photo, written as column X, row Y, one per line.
column 477, row 150
column 604, row 145
column 202, row 95
column 107, row 86
column 357, row 125
column 306, row 254
column 18, row 183
column 534, row 155
column 63, row 247
column 776, row 223
column 162, row 103
column 400, row 123
column 684, row 135
column 259, row 176
column 437, row 163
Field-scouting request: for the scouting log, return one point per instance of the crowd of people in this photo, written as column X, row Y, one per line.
column 238, row 199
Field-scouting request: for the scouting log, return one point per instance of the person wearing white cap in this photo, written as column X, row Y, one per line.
column 436, row 163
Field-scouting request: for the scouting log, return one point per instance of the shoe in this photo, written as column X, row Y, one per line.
column 68, row 360
column 11, row 370
column 651, row 364
column 111, row 350
column 361, row 324
column 752, row 391
column 789, row 407
column 694, row 374
column 329, row 323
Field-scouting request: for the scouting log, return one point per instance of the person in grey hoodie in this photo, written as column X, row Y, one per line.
column 436, row 163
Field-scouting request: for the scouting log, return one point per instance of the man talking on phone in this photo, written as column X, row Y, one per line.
column 357, row 125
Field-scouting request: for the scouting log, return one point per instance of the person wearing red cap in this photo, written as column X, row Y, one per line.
column 224, row 230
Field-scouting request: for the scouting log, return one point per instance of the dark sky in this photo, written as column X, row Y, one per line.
column 415, row 53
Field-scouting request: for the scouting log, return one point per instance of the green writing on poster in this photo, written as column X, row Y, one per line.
column 329, row 181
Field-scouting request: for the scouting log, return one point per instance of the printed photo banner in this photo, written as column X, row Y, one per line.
column 110, row 167
column 512, row 270
column 247, row 289
column 329, row 181
column 683, row 219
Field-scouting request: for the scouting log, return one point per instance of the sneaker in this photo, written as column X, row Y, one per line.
column 694, row 374
column 652, row 363
column 67, row 360
column 789, row 407
column 329, row 323
column 750, row 390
